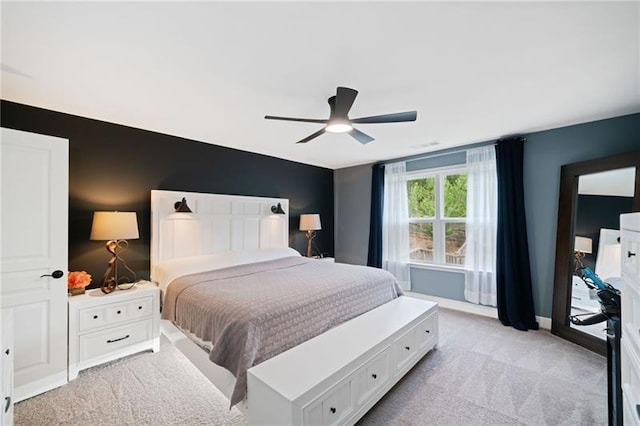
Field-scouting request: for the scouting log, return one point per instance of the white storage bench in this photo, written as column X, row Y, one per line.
column 336, row 377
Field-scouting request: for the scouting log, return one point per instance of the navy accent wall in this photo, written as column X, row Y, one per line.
column 595, row 212
column 113, row 167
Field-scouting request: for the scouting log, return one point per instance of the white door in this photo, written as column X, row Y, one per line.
column 6, row 372
column 33, row 214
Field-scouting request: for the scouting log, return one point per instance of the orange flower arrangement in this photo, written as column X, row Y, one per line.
column 78, row 279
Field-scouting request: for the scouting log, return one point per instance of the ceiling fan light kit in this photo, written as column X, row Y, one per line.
column 338, row 126
column 339, row 122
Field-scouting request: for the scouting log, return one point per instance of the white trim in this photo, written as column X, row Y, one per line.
column 485, row 311
column 437, row 267
column 544, row 322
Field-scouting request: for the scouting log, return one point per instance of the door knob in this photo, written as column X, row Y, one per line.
column 55, row 274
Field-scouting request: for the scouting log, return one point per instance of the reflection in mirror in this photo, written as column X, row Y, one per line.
column 602, row 198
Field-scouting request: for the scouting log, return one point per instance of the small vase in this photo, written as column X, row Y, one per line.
column 76, row 291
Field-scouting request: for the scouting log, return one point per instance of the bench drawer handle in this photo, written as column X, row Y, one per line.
column 6, row 407
column 333, row 410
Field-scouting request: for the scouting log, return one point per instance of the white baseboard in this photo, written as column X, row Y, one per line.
column 485, row 311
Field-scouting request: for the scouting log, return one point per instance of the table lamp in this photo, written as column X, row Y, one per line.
column 582, row 245
column 116, row 227
column 310, row 223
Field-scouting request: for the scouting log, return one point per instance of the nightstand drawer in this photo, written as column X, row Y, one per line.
column 114, row 313
column 98, row 344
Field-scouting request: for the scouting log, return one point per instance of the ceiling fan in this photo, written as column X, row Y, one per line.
column 339, row 122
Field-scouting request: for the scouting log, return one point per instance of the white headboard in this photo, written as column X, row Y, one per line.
column 218, row 223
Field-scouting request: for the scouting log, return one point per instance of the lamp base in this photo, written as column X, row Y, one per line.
column 111, row 281
column 310, row 236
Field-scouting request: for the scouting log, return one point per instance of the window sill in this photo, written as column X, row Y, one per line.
column 434, row 267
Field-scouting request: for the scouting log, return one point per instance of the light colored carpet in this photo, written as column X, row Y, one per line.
column 161, row 388
column 482, row 374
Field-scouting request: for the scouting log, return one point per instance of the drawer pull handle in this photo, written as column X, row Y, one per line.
column 7, row 352
column 139, row 307
column 375, row 376
column 6, row 407
column 427, row 331
column 333, row 410
column 117, row 340
column 95, row 317
column 629, row 254
column 407, row 348
column 119, row 312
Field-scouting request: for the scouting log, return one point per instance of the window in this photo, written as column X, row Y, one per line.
column 437, row 215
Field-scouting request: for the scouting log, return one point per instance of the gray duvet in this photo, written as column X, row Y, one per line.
column 254, row 312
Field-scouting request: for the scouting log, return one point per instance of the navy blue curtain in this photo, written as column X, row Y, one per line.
column 513, row 273
column 374, row 258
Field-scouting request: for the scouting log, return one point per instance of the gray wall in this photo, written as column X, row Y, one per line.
column 544, row 153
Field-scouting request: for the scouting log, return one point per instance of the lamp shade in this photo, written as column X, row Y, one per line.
column 583, row 245
column 114, row 226
column 310, row 222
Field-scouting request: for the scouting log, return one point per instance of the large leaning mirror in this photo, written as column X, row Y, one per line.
column 593, row 194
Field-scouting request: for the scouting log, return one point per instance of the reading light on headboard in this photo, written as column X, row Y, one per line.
column 182, row 207
column 277, row 209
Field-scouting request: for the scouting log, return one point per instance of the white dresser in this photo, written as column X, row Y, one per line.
column 104, row 327
column 630, row 326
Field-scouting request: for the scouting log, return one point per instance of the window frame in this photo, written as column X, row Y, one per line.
column 439, row 221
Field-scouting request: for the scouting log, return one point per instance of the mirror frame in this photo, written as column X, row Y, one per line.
column 567, row 209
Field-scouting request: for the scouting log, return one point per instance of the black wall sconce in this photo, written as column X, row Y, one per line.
column 277, row 209
column 182, row 207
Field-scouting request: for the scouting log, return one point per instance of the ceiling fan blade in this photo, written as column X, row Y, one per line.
column 388, row 118
column 304, row 120
column 361, row 137
column 344, row 100
column 312, row 136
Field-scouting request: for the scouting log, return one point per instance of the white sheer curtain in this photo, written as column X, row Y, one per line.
column 482, row 225
column 395, row 223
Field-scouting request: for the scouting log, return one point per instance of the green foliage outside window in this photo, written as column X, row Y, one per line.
column 422, row 197
column 423, row 204
column 455, row 195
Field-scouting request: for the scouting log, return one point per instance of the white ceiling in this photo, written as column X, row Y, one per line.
column 210, row 71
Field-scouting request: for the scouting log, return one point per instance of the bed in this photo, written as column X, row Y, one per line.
column 234, row 288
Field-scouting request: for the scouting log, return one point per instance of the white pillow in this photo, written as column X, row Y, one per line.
column 168, row 271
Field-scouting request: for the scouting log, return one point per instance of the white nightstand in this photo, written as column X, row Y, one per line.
column 104, row 327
